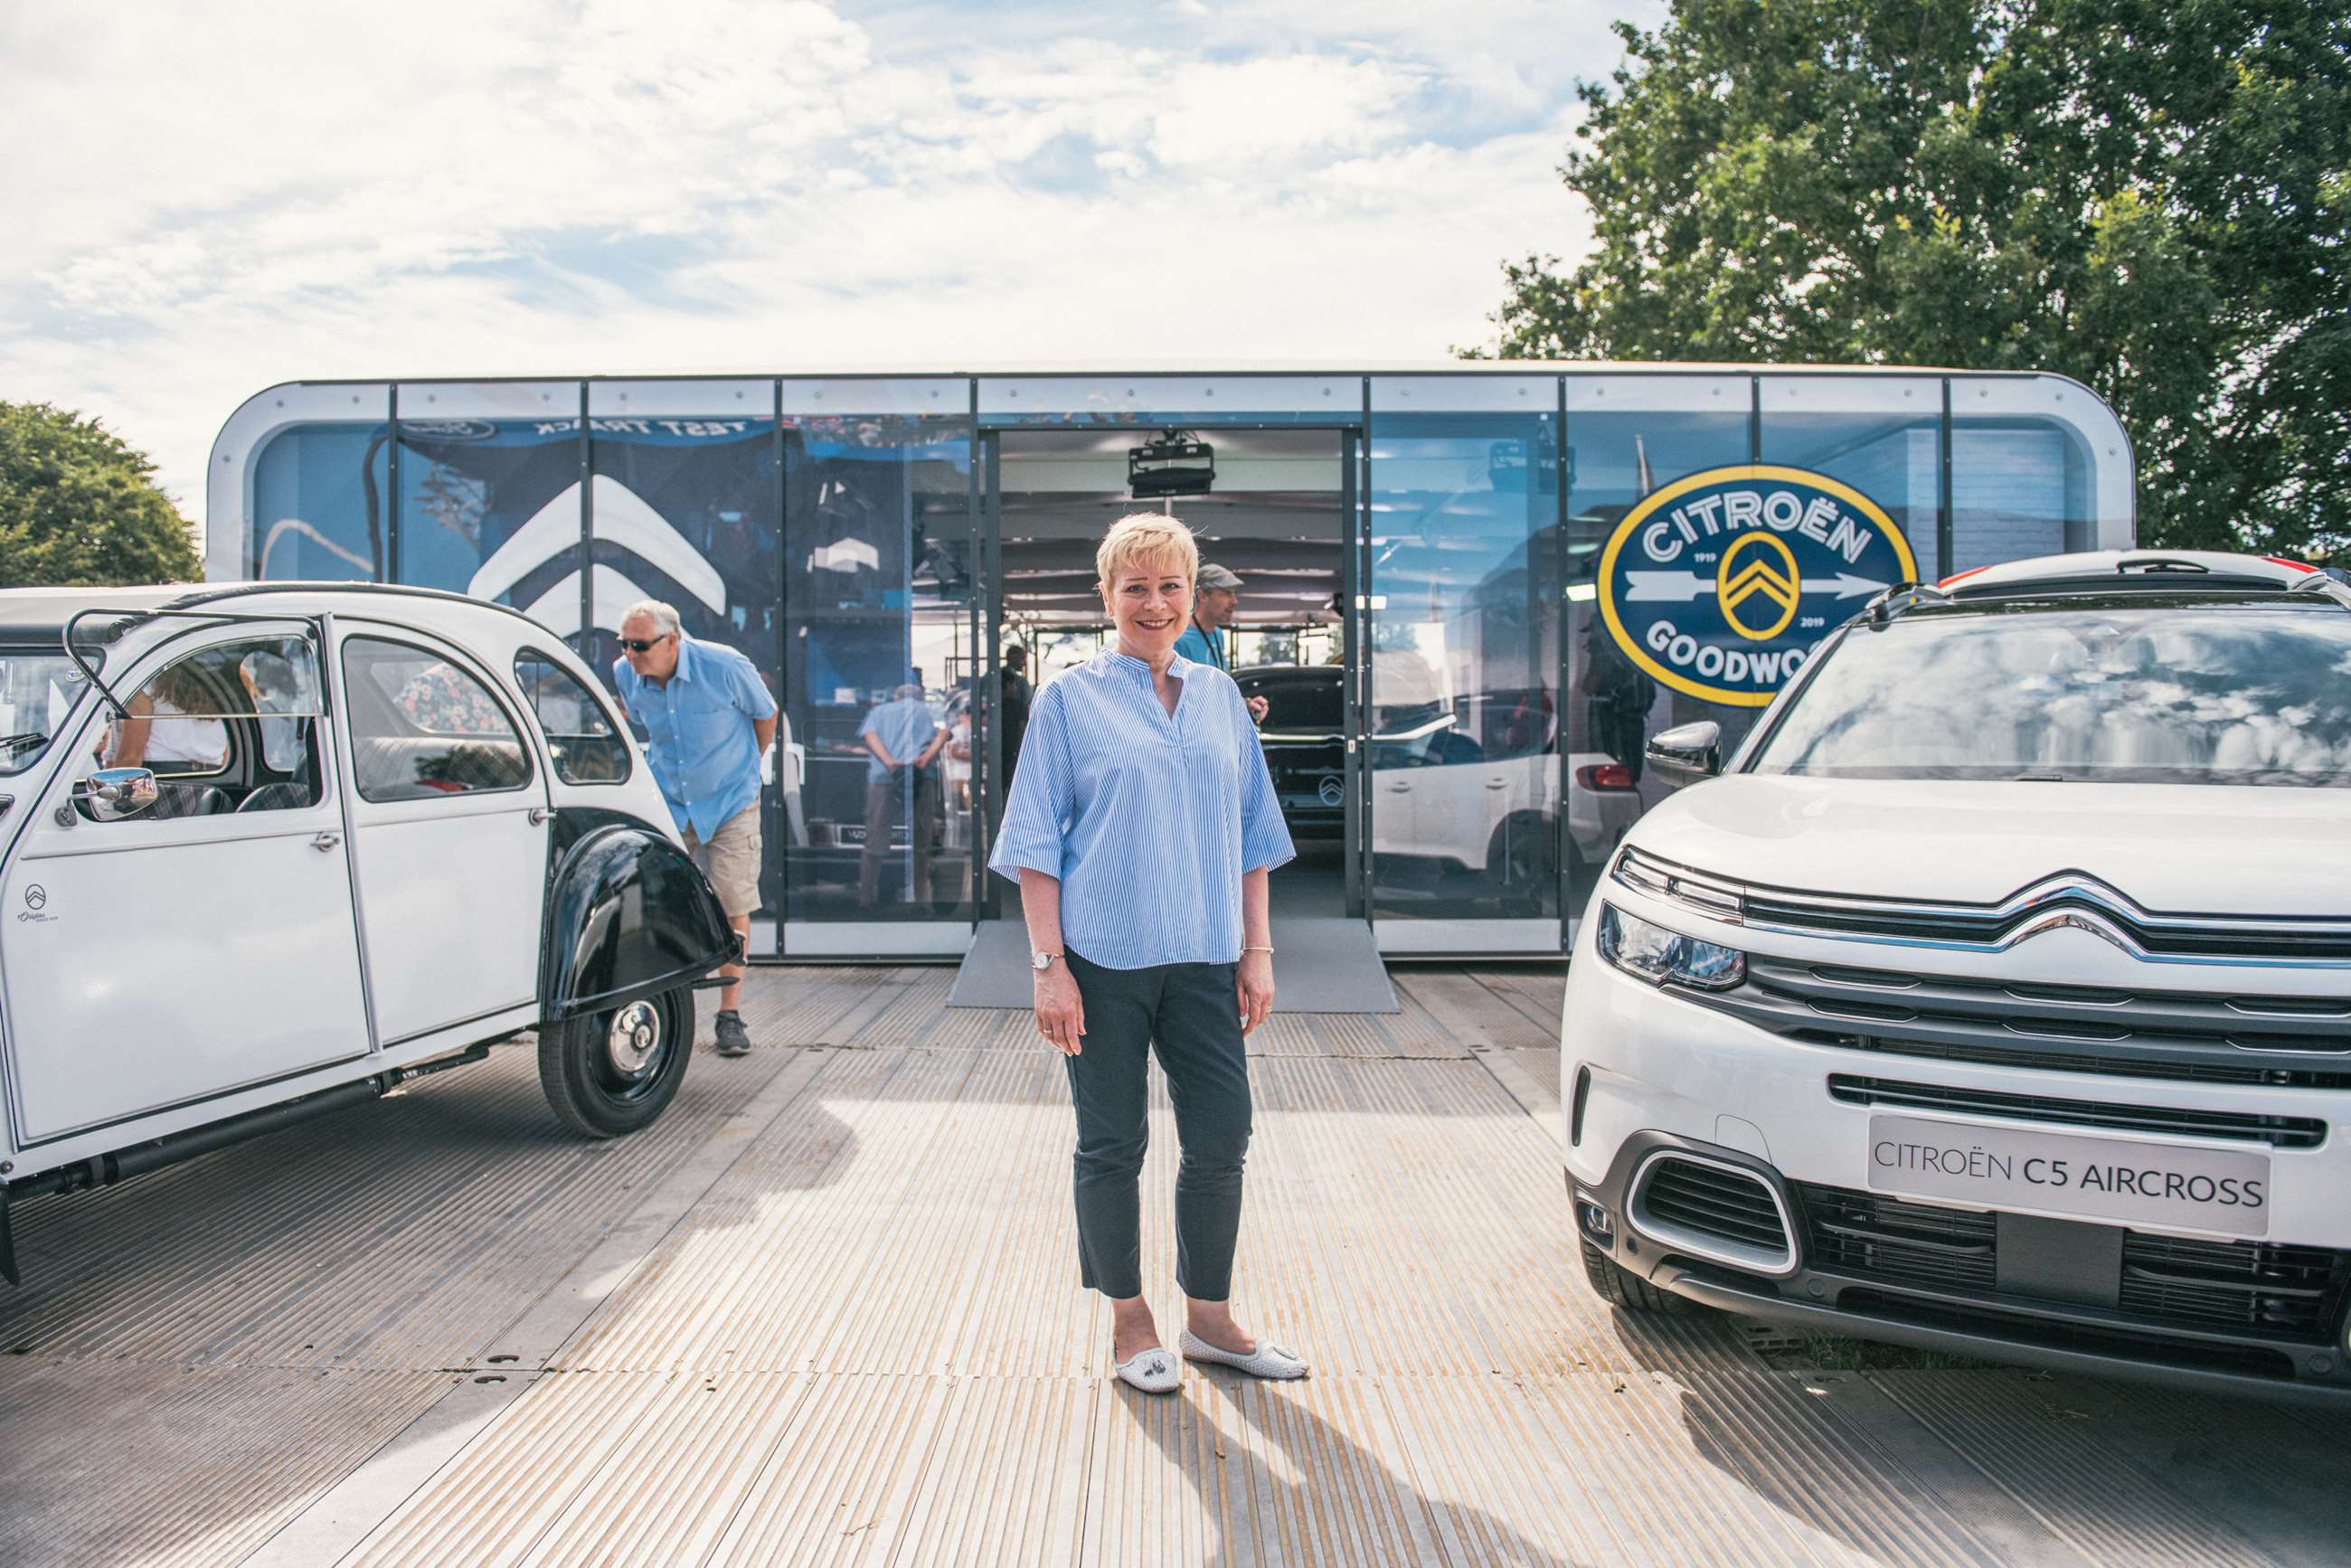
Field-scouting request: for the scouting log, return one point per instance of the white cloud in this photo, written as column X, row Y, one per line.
column 230, row 196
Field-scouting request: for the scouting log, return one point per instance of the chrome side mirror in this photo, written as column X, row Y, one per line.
column 1687, row 753
column 111, row 794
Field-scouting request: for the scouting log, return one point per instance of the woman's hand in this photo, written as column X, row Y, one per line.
column 1256, row 989
column 1061, row 1012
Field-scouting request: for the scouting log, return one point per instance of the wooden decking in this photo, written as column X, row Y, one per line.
column 827, row 1311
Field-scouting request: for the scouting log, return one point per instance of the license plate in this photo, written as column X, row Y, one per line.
column 2221, row 1190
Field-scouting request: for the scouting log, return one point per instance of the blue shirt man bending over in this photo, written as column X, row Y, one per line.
column 709, row 718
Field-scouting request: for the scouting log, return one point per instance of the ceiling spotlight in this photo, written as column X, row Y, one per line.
column 1174, row 463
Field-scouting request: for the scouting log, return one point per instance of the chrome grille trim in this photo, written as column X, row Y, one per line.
column 2142, row 1032
column 1705, row 1245
column 2085, row 1115
column 2068, row 900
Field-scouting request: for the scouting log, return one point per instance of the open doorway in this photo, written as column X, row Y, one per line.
column 1275, row 519
column 1280, row 517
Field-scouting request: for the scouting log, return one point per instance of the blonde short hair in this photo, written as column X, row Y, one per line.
column 1141, row 537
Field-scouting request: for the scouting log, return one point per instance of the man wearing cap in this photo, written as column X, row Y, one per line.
column 707, row 718
column 1217, row 592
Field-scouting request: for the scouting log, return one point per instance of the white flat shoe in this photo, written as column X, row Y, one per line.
column 1152, row 1371
column 1268, row 1360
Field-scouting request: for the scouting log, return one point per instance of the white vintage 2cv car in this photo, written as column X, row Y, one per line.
column 269, row 850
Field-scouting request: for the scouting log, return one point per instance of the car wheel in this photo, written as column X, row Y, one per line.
column 614, row 1072
column 1620, row 1287
column 1522, row 862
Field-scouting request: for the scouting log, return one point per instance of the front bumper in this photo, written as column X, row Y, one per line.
column 1646, row 1071
column 1987, row 1324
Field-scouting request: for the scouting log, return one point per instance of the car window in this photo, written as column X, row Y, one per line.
column 38, row 692
column 232, row 728
column 581, row 738
column 2144, row 691
column 422, row 727
column 1510, row 723
column 1314, row 705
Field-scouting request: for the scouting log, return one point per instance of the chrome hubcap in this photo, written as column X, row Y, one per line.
column 634, row 1038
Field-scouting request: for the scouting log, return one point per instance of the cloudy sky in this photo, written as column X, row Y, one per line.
column 206, row 200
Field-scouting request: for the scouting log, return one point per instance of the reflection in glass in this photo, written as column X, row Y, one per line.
column 686, row 508
column 880, row 655
column 38, row 692
column 320, row 498
column 2239, row 694
column 423, row 729
column 491, row 508
column 1464, row 650
column 1614, row 460
column 1885, row 443
column 2020, row 486
column 582, row 740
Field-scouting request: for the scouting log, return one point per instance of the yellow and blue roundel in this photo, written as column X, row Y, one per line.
column 1720, row 584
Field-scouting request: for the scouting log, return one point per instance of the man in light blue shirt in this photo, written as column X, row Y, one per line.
column 901, row 737
column 707, row 718
column 1214, row 597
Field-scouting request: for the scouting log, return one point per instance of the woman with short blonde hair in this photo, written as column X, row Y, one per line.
column 1141, row 827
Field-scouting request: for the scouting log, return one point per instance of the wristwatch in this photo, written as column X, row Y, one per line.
column 1040, row 962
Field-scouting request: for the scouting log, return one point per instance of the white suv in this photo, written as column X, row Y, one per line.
column 1997, row 996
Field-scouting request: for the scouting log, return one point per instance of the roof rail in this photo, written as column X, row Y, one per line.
column 1901, row 598
column 400, row 590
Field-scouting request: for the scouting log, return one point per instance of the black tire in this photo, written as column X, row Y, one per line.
column 603, row 1082
column 1620, row 1287
column 1522, row 862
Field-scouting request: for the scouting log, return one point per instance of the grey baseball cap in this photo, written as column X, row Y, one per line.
column 1215, row 576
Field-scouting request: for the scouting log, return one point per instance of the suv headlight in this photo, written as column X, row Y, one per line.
column 1661, row 957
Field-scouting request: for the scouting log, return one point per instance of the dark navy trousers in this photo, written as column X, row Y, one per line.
column 1190, row 1013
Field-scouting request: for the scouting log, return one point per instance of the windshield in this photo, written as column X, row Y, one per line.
column 36, row 692
column 2162, row 692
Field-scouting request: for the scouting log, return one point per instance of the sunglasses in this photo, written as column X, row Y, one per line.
column 643, row 645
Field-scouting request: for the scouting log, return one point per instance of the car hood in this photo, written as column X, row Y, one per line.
column 2176, row 849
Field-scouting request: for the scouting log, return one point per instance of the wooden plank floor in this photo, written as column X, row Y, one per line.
column 827, row 1311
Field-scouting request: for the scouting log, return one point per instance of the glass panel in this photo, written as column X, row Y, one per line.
column 880, row 656
column 1189, row 402
column 2098, row 690
column 489, row 494
column 300, row 486
column 1463, row 638
column 581, row 739
column 686, row 507
column 317, row 504
column 231, row 727
column 2038, row 466
column 37, row 694
column 1628, row 438
column 423, row 729
column 1881, row 435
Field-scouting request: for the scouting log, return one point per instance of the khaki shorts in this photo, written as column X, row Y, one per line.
column 731, row 861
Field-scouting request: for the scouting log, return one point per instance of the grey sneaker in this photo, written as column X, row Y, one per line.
column 733, row 1039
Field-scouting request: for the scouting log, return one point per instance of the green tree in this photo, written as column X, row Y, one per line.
column 2153, row 196
column 78, row 505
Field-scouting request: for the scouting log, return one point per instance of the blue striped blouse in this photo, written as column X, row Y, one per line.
column 1149, row 821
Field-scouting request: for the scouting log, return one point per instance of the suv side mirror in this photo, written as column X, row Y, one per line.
column 111, row 794
column 1686, row 753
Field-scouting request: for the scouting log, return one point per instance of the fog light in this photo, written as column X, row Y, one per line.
column 1595, row 1218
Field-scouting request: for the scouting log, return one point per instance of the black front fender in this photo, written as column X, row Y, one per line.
column 628, row 915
